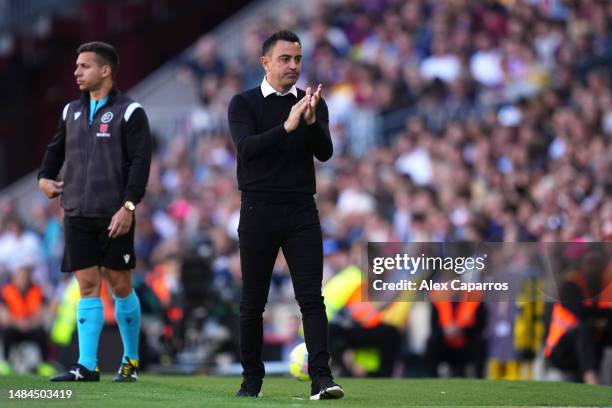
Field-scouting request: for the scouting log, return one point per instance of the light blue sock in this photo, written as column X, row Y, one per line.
column 127, row 313
column 90, row 320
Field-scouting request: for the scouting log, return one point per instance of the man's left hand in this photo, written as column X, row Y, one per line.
column 309, row 113
column 120, row 223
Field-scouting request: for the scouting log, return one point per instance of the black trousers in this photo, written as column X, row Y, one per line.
column 473, row 352
column 13, row 337
column 295, row 228
column 580, row 349
column 384, row 337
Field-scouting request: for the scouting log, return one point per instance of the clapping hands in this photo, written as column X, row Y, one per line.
column 311, row 105
column 305, row 107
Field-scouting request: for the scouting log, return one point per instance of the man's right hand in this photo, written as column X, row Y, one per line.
column 590, row 377
column 293, row 121
column 51, row 188
column 452, row 330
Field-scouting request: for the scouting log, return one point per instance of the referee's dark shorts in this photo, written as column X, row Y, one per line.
column 88, row 244
column 291, row 223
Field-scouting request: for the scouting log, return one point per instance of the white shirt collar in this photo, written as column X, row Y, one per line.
column 266, row 89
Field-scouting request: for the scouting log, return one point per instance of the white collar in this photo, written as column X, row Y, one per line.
column 266, row 89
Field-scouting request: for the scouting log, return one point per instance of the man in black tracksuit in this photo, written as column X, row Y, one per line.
column 277, row 129
column 103, row 142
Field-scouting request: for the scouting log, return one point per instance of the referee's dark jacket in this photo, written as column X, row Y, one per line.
column 106, row 162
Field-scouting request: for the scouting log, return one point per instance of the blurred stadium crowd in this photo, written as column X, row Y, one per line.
column 451, row 120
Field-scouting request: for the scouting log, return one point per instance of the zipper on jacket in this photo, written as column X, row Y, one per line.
column 90, row 145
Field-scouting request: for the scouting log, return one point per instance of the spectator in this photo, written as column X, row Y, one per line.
column 22, row 313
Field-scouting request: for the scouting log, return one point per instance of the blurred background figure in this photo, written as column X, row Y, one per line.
column 457, row 338
column 22, row 318
column 581, row 322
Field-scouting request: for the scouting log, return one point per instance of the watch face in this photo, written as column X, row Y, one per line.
column 130, row 205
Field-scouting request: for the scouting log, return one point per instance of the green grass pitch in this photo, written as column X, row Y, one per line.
column 202, row 391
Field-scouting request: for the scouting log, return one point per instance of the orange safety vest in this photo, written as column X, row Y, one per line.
column 363, row 312
column 107, row 303
column 563, row 320
column 156, row 280
column 22, row 306
column 463, row 316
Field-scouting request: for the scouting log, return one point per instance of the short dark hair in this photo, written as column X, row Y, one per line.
column 282, row 35
column 105, row 54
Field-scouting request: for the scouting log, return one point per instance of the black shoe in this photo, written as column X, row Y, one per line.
column 78, row 373
column 250, row 388
column 128, row 371
column 324, row 388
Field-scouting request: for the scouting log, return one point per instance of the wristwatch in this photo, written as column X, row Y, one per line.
column 130, row 206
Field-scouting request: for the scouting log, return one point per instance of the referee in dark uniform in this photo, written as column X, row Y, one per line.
column 277, row 129
column 103, row 142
